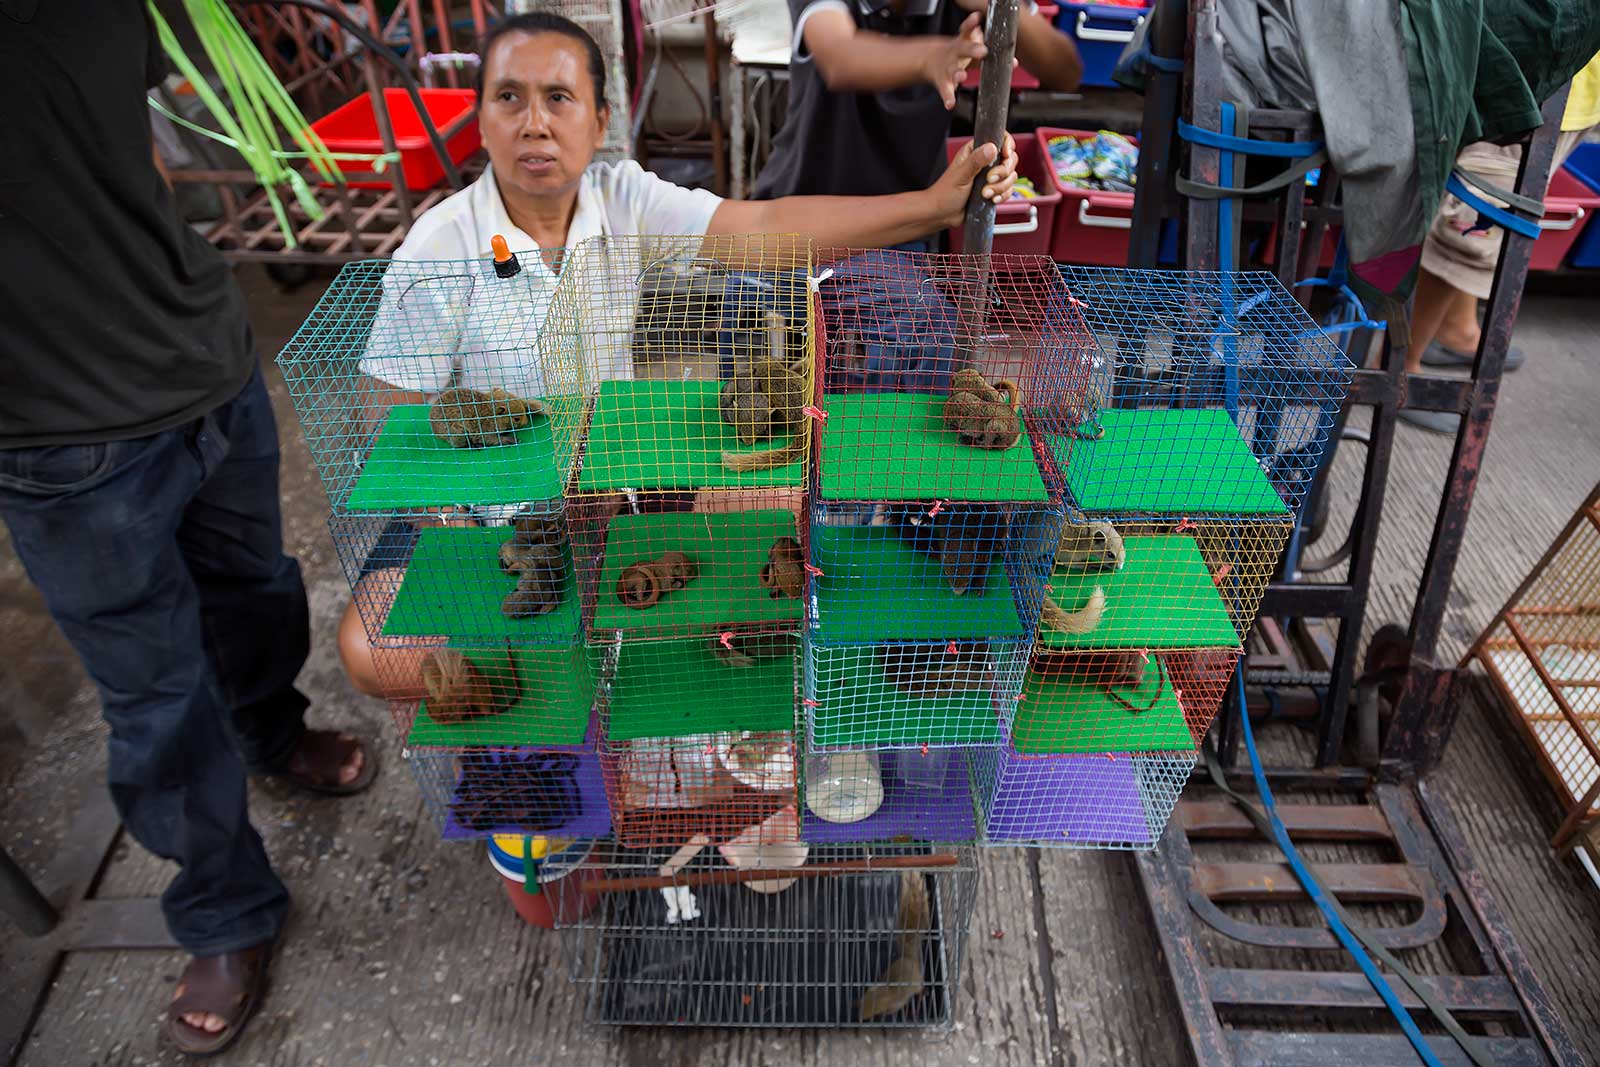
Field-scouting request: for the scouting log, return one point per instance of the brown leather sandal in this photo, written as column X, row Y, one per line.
column 318, row 759
column 230, row 986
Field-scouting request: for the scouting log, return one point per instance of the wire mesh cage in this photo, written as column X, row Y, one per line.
column 1542, row 653
column 680, row 565
column 942, row 376
column 693, row 356
column 420, row 385
column 780, row 935
column 1215, row 395
column 481, row 790
column 1101, row 800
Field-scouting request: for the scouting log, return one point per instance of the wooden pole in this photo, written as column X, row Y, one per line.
column 989, row 118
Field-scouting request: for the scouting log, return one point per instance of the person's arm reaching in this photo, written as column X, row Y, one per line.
column 1048, row 53
column 853, row 60
column 876, row 221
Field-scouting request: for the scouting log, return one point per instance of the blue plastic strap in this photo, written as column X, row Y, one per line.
column 1248, row 146
column 1498, row 215
column 1161, row 63
column 1318, row 895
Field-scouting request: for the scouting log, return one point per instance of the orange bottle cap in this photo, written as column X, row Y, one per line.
column 502, row 251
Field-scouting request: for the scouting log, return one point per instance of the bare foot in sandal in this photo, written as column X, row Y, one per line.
column 328, row 761
column 215, row 998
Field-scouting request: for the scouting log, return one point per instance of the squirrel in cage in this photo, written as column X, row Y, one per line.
column 965, row 539
column 933, row 670
column 1091, row 548
column 534, row 555
column 763, row 400
column 476, row 418
column 457, row 691
column 983, row 415
column 642, row 585
column 784, row 573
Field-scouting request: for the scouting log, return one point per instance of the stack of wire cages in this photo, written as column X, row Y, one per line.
column 427, row 409
column 1212, row 398
column 936, row 505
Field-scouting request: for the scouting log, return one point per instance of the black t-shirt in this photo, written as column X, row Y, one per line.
column 859, row 144
column 116, row 319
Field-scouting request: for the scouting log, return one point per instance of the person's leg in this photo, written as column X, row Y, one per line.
column 1434, row 301
column 96, row 528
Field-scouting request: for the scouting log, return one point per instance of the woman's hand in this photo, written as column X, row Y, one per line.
column 954, row 187
column 949, row 57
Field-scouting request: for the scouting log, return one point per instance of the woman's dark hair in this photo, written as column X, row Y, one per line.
column 537, row 22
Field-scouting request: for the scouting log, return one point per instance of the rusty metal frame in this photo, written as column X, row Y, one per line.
column 1244, row 1016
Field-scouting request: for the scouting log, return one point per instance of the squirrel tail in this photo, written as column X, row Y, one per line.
column 760, row 461
column 1082, row 621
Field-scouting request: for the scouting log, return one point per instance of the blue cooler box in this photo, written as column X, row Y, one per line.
column 1102, row 31
column 1584, row 164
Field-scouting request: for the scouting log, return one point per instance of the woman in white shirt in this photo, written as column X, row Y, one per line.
column 543, row 115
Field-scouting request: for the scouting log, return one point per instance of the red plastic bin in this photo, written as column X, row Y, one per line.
column 353, row 127
column 1021, row 78
column 1091, row 226
column 1021, row 227
column 1567, row 203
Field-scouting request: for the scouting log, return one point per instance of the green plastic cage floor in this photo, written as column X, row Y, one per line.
column 1163, row 597
column 875, row 587
column 729, row 548
column 1178, row 461
column 454, row 586
column 555, row 694
column 857, row 706
column 894, row 446
column 670, row 435
column 678, row 688
column 409, row 467
column 1064, row 716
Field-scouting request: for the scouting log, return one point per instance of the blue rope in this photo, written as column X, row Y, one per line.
column 1227, row 142
column 1319, row 896
column 1230, row 320
column 1498, row 215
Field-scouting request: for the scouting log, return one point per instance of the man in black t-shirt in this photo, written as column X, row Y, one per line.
column 139, row 481
column 871, row 85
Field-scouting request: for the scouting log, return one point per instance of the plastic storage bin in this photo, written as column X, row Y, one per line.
column 353, row 127
column 1020, row 76
column 1102, row 31
column 1568, row 203
column 1091, row 226
column 561, row 898
column 1584, row 164
column 1022, row 227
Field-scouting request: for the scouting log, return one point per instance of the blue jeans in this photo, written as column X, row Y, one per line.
column 161, row 558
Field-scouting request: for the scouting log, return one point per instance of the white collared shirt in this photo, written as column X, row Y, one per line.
column 430, row 323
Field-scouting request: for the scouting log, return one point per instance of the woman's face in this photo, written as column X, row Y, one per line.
column 539, row 118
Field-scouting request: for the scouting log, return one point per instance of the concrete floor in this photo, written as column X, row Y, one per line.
column 402, row 951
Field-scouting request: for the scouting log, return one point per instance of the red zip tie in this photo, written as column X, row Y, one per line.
column 1186, row 525
column 1222, row 574
column 1144, row 657
column 810, row 704
column 924, row 748
column 1177, row 694
column 951, row 649
column 815, row 572
column 727, row 640
column 938, row 506
column 814, row 412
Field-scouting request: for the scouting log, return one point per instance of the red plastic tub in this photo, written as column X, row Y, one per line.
column 353, row 127
column 561, row 898
column 1021, row 78
column 1021, row 227
column 1091, row 226
column 1567, row 203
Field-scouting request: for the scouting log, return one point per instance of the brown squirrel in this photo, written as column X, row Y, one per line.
column 1084, row 548
column 902, row 980
column 473, row 418
column 456, row 691
column 933, row 670
column 983, row 415
column 641, row 585
column 764, row 400
column 784, row 573
column 534, row 555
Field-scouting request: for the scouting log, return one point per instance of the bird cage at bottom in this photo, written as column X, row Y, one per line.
column 774, row 935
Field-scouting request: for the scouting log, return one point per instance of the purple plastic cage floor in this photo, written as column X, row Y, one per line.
column 594, row 814
column 949, row 816
column 1091, row 799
